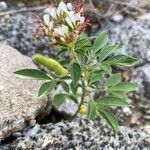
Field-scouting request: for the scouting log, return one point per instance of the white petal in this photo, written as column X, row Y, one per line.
column 46, row 19
column 58, row 11
column 63, row 6
column 82, row 19
column 65, row 29
column 50, row 25
column 62, row 39
column 53, row 13
column 77, row 16
column 56, row 32
column 69, row 5
column 72, row 16
column 69, row 22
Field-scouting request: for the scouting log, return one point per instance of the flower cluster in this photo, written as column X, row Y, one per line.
column 65, row 23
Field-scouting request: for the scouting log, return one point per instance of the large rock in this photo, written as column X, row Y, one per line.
column 134, row 36
column 18, row 98
column 141, row 76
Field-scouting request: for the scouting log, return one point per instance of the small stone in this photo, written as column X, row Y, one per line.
column 117, row 17
column 3, row 5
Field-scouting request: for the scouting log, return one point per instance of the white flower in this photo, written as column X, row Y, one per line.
column 52, row 12
column 63, row 6
column 77, row 16
column 69, row 22
column 46, row 19
column 65, row 29
column 72, row 17
column 82, row 19
column 69, row 5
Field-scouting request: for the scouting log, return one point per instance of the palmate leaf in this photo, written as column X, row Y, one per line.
column 73, row 87
column 111, row 101
column 75, row 72
column 100, row 41
column 33, row 74
column 59, row 99
column 91, row 113
column 124, row 87
column 113, row 79
column 46, row 88
column 123, row 60
column 109, row 117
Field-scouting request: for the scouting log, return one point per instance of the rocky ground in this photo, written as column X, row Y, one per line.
column 79, row 134
column 134, row 35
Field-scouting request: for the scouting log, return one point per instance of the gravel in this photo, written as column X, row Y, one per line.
column 15, row 31
column 79, row 134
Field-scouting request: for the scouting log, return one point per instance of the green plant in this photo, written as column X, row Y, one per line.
column 88, row 67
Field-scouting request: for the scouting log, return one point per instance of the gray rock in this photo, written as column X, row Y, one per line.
column 17, row 31
column 83, row 134
column 3, row 5
column 141, row 76
column 18, row 98
column 134, row 36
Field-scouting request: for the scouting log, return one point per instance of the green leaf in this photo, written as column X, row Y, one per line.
column 123, row 60
column 100, row 41
column 75, row 71
column 95, row 77
column 124, row 86
column 111, row 101
column 109, row 117
column 65, row 86
column 46, row 88
column 106, row 67
column 119, row 94
column 33, row 74
column 91, row 114
column 73, row 97
column 113, row 79
column 106, row 51
column 74, row 88
column 59, row 99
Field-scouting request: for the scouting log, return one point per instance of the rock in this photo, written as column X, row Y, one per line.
column 134, row 36
column 82, row 134
column 141, row 76
column 20, row 35
column 3, row 5
column 18, row 97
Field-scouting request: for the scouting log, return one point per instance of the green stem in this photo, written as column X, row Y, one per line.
column 82, row 97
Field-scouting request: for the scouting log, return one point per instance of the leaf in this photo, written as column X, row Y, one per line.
column 113, row 79
column 123, row 60
column 75, row 71
column 124, row 86
column 95, row 77
column 119, row 94
column 65, row 86
column 46, row 88
column 59, row 99
column 33, row 74
column 100, row 41
column 73, row 97
column 106, row 67
column 109, row 117
column 106, row 51
column 73, row 88
column 91, row 114
column 111, row 101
